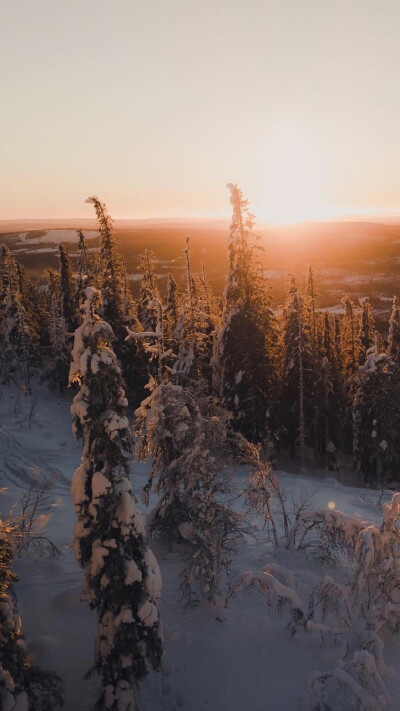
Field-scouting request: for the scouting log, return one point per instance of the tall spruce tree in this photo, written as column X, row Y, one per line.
column 313, row 324
column 67, row 290
column 297, row 384
column 196, row 327
column 208, row 328
column 112, row 276
column 128, row 303
column 31, row 302
column 89, row 270
column 148, row 293
column 394, row 333
column 115, row 310
column 187, row 361
column 367, row 331
column 337, row 341
column 376, row 419
column 18, row 331
column 349, row 338
column 171, row 306
column 312, row 305
column 350, row 348
column 60, row 348
column 329, row 395
column 83, row 262
column 122, row 576
column 248, row 338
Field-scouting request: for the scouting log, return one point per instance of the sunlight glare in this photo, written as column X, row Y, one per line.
column 291, row 177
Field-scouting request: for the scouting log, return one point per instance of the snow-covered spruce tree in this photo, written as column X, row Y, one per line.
column 330, row 397
column 8, row 282
column 186, row 332
column 149, row 311
column 42, row 306
column 337, row 341
column 89, row 272
column 314, row 327
column 248, row 338
column 350, row 348
column 311, row 305
column 148, row 293
column 19, row 295
column 22, row 686
column 60, row 349
column 367, row 331
column 113, row 287
column 183, row 431
column 205, row 290
column 83, row 264
column 171, row 307
column 162, row 426
column 122, row 577
column 394, row 333
column 67, row 290
column 376, row 419
column 349, row 338
column 196, row 327
column 18, row 333
column 213, row 528
column 153, row 345
column 166, row 423
column 112, row 270
column 30, row 299
column 296, row 374
column 128, row 302
column 208, row 328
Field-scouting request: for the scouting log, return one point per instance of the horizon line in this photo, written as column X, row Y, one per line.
column 352, row 217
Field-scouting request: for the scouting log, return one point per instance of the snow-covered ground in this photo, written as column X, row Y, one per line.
column 222, row 659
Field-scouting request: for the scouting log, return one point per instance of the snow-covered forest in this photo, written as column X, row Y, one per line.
column 231, row 540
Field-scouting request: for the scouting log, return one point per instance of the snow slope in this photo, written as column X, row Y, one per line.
column 233, row 659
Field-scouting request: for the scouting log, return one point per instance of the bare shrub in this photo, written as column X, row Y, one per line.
column 328, row 608
column 30, row 514
column 278, row 595
column 354, row 685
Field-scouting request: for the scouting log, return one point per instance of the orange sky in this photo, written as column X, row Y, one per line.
column 155, row 106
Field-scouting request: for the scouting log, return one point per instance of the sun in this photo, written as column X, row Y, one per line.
column 290, row 177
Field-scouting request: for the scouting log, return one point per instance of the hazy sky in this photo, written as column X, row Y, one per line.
column 155, row 105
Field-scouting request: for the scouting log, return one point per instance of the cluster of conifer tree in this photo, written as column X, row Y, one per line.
column 202, row 374
column 302, row 378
